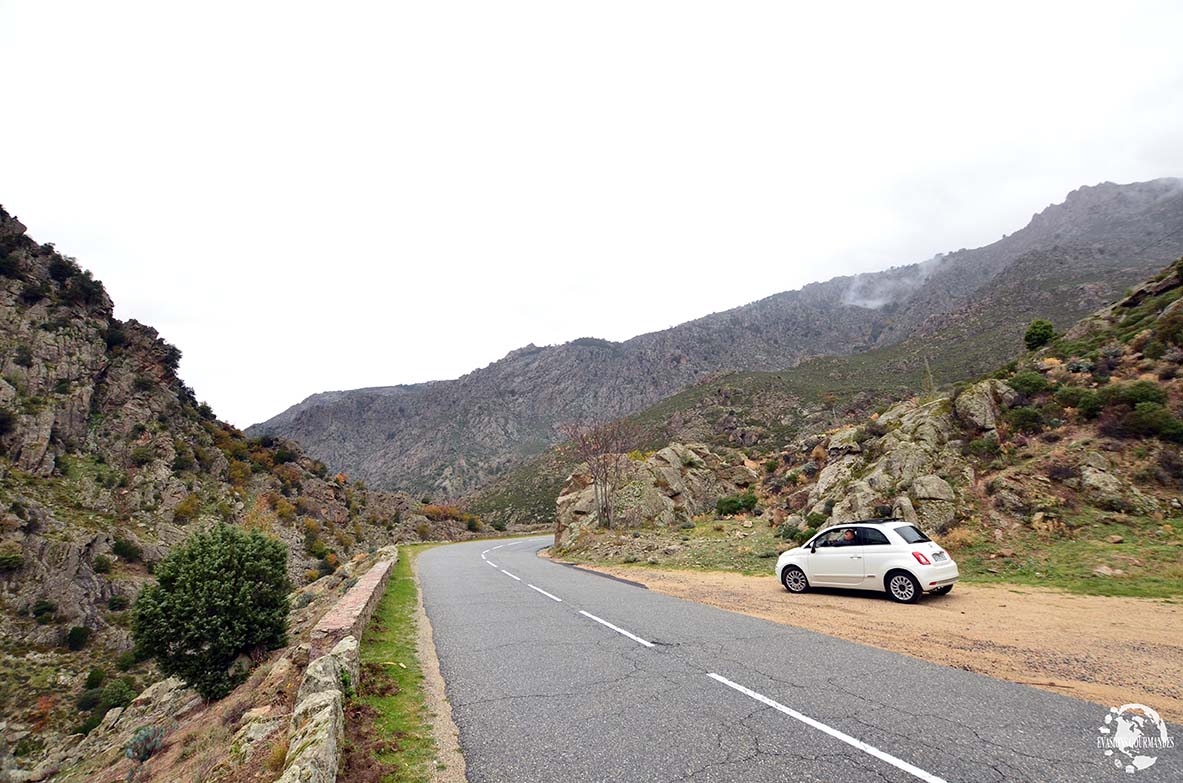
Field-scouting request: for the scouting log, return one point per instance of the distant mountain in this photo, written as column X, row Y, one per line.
column 448, row 437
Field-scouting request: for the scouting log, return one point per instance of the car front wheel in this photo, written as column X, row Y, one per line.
column 903, row 587
column 794, row 580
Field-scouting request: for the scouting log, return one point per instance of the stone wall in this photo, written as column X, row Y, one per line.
column 318, row 721
column 351, row 614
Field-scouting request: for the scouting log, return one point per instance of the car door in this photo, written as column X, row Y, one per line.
column 877, row 554
column 835, row 562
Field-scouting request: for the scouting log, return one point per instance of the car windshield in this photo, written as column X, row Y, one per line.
column 911, row 534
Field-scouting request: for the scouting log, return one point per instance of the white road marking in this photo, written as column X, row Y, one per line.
column 548, row 595
column 499, row 546
column 849, row 740
column 490, row 562
column 621, row 631
column 511, row 576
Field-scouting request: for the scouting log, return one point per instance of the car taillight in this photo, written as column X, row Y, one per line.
column 920, row 558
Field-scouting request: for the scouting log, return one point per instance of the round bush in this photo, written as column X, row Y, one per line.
column 222, row 593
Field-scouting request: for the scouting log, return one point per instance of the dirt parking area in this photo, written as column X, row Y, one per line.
column 1111, row 651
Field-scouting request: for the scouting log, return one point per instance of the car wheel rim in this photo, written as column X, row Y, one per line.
column 902, row 588
column 795, row 580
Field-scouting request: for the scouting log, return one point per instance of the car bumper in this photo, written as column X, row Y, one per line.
column 936, row 577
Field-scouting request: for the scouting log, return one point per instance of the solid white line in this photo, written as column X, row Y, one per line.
column 849, row 740
column 499, row 546
column 548, row 595
column 511, row 576
column 490, row 562
column 637, row 639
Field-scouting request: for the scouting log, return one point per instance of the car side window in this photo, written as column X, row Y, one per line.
column 869, row 536
column 830, row 537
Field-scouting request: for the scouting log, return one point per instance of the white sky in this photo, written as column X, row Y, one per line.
column 311, row 196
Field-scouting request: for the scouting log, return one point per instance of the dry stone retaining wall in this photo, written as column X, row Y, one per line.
column 318, row 720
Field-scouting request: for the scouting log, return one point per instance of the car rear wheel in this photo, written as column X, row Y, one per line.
column 794, row 580
column 943, row 590
column 903, row 587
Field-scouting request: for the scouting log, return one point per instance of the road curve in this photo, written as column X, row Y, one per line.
column 559, row 674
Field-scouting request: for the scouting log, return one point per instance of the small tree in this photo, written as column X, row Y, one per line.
column 603, row 448
column 222, row 593
column 1039, row 334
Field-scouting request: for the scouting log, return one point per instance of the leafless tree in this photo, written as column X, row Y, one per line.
column 604, row 448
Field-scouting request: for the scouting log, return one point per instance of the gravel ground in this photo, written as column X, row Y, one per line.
column 1110, row 651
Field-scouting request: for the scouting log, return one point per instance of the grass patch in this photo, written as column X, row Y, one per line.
column 401, row 741
column 1152, row 567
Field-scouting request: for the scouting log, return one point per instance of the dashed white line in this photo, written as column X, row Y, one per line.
column 511, row 576
column 490, row 562
column 618, row 630
column 499, row 546
column 849, row 740
column 548, row 595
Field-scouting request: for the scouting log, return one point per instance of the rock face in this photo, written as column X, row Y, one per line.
column 907, row 464
column 449, row 437
column 107, row 460
column 982, row 404
column 665, row 489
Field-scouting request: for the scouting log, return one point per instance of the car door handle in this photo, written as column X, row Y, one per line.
column 856, row 557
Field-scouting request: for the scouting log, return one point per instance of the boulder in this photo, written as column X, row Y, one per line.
column 980, row 406
column 931, row 487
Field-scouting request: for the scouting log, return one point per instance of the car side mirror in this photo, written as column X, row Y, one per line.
column 813, row 548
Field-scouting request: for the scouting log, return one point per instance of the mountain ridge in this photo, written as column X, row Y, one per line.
column 409, row 435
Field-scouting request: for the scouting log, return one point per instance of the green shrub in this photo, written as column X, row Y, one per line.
column 729, row 505
column 77, row 637
column 44, row 611
column 770, row 465
column 1152, row 418
column 127, row 550
column 187, row 509
column 1024, row 420
column 142, row 455
column 1029, row 383
column 89, row 698
column 143, row 383
column 126, row 660
column 983, row 447
column 61, row 270
column 7, row 421
column 1039, row 334
column 95, row 678
column 102, row 564
column 117, row 603
column 23, row 356
column 1071, row 396
column 1132, row 394
column 11, row 556
column 220, row 594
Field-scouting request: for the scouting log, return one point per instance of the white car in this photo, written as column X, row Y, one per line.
column 887, row 554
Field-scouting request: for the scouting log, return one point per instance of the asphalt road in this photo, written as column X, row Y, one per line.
column 612, row 682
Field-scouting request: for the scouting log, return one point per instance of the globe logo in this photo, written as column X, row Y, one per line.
column 1132, row 735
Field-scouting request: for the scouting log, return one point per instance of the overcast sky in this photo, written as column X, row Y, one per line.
column 312, row 196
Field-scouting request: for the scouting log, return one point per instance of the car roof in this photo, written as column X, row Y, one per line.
column 869, row 522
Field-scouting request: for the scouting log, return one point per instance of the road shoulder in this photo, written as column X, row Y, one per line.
column 1106, row 650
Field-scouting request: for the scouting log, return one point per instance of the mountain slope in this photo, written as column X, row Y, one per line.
column 106, row 461
column 449, row 437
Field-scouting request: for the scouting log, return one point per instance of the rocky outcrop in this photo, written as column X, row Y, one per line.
column 982, row 404
column 908, row 463
column 664, row 489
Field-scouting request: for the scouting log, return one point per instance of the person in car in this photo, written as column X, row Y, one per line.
column 847, row 538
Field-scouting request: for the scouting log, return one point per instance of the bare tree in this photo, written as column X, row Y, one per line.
column 603, row 447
